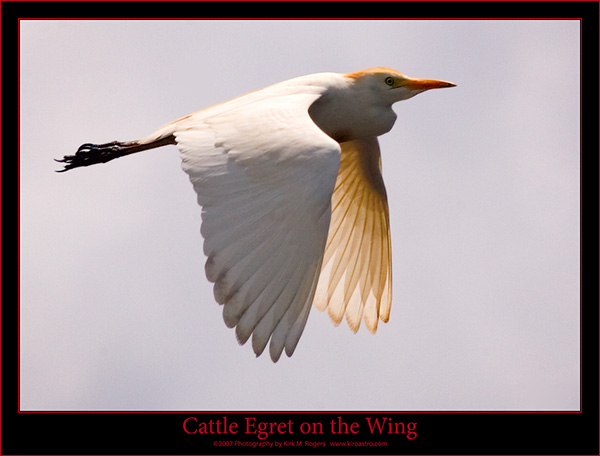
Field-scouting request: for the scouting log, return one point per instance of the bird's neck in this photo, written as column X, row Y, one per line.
column 347, row 115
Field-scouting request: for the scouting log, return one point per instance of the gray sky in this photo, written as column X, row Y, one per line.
column 484, row 192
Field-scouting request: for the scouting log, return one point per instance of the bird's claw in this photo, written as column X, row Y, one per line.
column 90, row 154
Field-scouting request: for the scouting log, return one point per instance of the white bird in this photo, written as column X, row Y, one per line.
column 294, row 209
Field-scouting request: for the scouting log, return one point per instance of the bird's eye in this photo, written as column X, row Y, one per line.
column 389, row 81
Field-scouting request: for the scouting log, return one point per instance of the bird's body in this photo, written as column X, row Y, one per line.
column 294, row 210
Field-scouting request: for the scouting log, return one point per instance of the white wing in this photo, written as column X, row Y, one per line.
column 356, row 276
column 264, row 174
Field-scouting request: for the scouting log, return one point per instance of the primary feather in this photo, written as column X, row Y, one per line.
column 356, row 277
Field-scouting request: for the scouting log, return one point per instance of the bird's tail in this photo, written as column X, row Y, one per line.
column 90, row 154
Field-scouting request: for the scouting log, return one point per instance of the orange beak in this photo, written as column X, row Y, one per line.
column 425, row 84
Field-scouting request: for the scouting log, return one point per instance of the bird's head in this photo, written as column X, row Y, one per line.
column 359, row 104
column 393, row 86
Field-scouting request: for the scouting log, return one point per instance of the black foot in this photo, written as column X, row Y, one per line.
column 90, row 154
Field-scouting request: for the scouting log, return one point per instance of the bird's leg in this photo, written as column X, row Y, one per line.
column 90, row 154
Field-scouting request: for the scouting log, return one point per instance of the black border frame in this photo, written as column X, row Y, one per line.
column 163, row 432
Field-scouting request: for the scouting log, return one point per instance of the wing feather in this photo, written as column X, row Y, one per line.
column 264, row 174
column 355, row 279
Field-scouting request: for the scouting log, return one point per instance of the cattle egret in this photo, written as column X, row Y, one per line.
column 294, row 209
